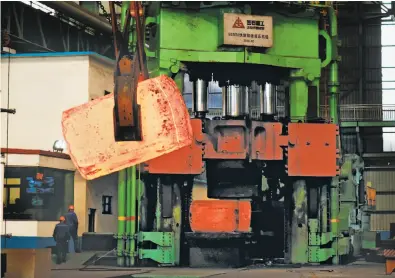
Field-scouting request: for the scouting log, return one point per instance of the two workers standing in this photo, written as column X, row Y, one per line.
column 67, row 228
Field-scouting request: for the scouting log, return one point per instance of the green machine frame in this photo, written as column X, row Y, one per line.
column 181, row 35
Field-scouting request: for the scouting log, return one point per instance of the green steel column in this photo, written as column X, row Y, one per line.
column 334, row 90
column 124, row 10
column 299, row 229
column 140, row 195
column 335, row 217
column 133, row 216
column 177, row 222
column 298, row 99
column 333, row 68
column 128, row 215
column 333, row 106
column 158, row 212
column 324, row 208
column 121, row 216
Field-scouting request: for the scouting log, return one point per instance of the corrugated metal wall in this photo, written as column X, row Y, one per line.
column 360, row 68
column 360, row 49
column 384, row 182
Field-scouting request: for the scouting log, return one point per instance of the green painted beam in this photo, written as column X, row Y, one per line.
column 368, row 124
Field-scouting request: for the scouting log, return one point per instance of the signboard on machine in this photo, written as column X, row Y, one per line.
column 248, row 30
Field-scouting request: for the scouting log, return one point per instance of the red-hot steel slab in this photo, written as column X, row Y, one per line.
column 89, row 129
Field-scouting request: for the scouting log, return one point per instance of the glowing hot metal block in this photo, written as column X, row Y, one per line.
column 89, row 129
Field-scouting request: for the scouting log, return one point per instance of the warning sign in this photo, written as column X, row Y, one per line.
column 248, row 30
column 238, row 23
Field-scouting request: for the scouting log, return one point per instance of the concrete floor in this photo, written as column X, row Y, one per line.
column 359, row 269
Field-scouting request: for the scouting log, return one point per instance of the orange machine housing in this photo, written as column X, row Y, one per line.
column 302, row 149
column 215, row 216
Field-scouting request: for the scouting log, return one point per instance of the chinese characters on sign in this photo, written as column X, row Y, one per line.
column 256, row 36
column 256, row 24
column 248, row 30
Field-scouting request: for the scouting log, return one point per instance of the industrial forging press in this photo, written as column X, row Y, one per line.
column 276, row 185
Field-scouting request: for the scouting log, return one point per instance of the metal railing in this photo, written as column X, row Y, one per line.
column 348, row 112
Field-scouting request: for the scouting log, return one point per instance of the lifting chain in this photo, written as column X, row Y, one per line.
column 5, row 38
column 104, row 12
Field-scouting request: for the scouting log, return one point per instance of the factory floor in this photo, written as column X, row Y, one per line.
column 72, row 269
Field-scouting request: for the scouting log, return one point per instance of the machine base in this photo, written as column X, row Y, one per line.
column 224, row 250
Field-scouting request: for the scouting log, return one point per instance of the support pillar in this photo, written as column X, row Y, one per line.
column 121, row 217
column 133, row 216
column 324, row 208
column 299, row 228
column 177, row 221
column 81, row 192
column 335, row 206
column 298, row 99
column 128, row 216
column 333, row 110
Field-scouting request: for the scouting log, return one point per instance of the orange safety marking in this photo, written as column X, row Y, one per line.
column 335, row 221
column 128, row 218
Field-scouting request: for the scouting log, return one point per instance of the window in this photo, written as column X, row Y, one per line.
column 11, row 191
column 106, row 202
column 37, row 193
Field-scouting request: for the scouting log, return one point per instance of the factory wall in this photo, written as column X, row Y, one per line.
column 383, row 181
column 101, row 81
column 360, row 70
column 106, row 186
column 40, row 89
column 101, row 78
column 360, row 51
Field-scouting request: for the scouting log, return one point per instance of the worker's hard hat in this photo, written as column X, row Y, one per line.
column 62, row 218
column 71, row 207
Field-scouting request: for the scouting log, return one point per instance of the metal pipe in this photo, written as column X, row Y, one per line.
column 158, row 211
column 333, row 112
column 334, row 223
column 224, row 101
column 333, row 71
column 200, row 98
column 379, row 168
column 267, row 95
column 124, row 10
column 334, row 90
column 133, row 216
column 121, row 217
column 246, row 100
column 235, row 100
column 128, row 216
column 74, row 10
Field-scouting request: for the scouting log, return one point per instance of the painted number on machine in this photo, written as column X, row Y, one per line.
column 248, row 30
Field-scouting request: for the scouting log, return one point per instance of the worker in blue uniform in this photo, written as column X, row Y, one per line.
column 61, row 234
column 72, row 222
